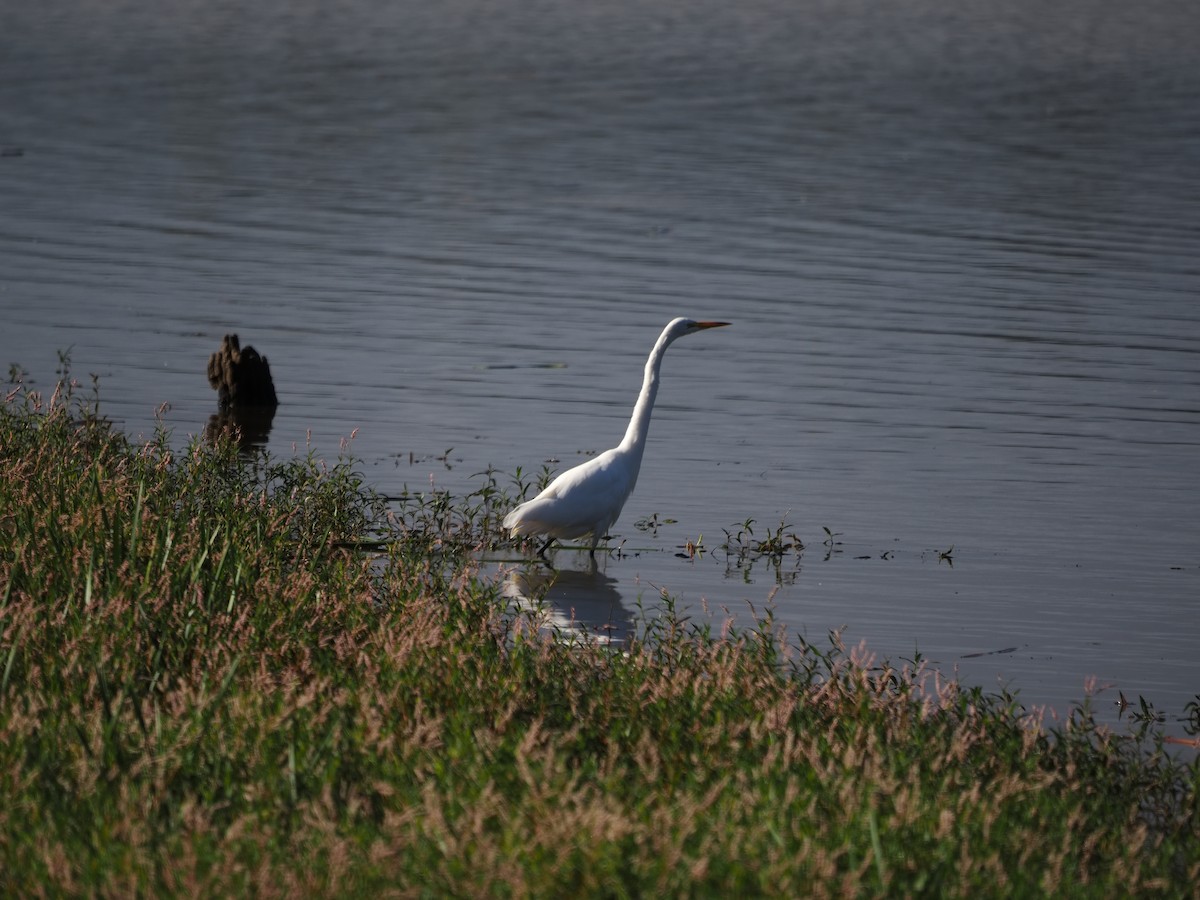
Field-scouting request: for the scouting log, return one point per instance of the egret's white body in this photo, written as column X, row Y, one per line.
column 588, row 498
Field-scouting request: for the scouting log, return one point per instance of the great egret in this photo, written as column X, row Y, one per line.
column 588, row 498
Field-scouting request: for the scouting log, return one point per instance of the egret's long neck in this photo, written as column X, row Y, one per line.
column 639, row 425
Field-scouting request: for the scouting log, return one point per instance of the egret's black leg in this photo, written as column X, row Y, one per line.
column 595, row 543
column 545, row 547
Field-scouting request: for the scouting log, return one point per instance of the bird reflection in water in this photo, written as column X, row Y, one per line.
column 570, row 602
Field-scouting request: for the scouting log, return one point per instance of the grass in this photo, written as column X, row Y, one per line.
column 207, row 687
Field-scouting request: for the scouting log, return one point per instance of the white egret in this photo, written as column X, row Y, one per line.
column 588, row 498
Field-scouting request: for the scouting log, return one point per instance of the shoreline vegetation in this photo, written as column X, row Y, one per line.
column 208, row 688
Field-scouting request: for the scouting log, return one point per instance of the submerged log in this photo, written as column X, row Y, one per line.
column 241, row 378
column 245, row 394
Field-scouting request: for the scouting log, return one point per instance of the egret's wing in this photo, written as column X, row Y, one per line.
column 578, row 501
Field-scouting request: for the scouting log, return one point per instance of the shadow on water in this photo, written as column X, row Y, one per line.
column 571, row 602
column 251, row 426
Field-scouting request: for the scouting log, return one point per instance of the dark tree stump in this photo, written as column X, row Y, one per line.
column 241, row 378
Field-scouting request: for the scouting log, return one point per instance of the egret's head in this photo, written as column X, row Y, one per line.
column 681, row 326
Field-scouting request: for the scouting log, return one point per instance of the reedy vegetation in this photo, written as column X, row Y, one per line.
column 206, row 687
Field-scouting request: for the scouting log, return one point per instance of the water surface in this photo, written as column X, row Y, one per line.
column 958, row 243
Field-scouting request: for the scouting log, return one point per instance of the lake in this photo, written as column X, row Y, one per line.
column 959, row 245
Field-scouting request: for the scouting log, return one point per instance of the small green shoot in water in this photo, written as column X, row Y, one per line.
column 652, row 522
column 692, row 549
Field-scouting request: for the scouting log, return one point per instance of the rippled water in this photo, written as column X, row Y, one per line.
column 958, row 243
